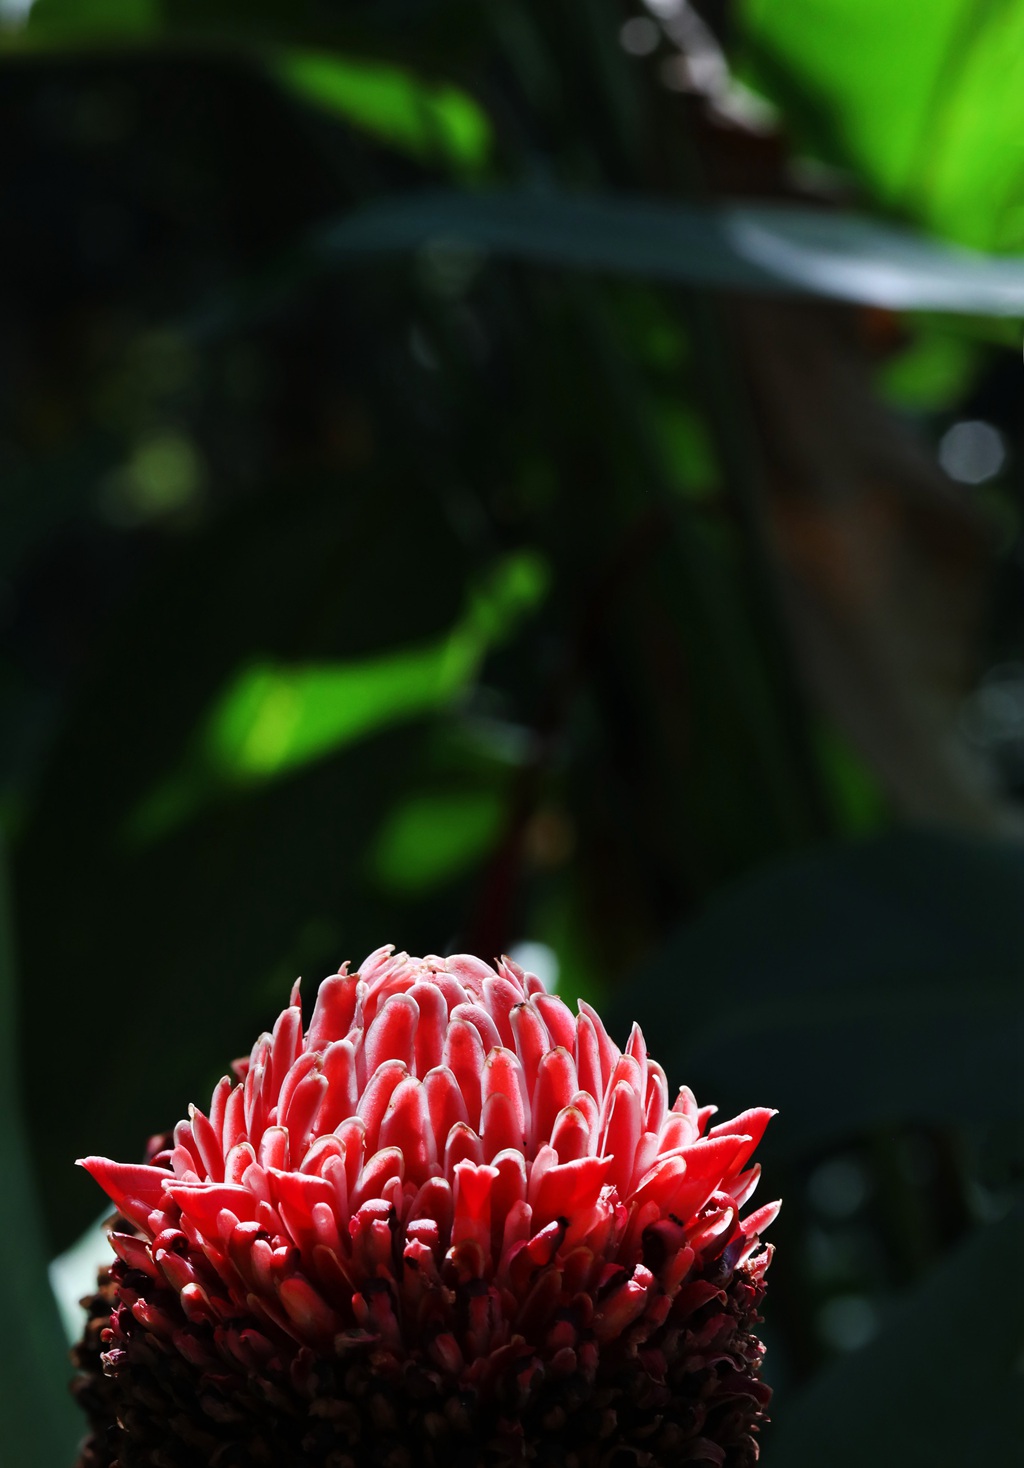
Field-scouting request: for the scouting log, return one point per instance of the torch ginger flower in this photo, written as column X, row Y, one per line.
column 451, row 1223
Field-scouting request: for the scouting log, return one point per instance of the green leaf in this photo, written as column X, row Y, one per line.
column 89, row 19
column 689, row 449
column 427, row 840
column 925, row 103
column 273, row 718
column 425, row 119
column 38, row 1424
column 858, row 986
column 859, row 74
column 773, row 248
column 939, row 1387
column 934, row 372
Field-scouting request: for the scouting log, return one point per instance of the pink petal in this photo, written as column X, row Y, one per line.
column 503, row 1075
column 340, row 1072
column 706, row 1163
column 661, row 1183
column 462, row 1145
column 255, row 1104
column 352, row 1136
column 621, row 1135
column 334, row 1172
column 647, row 1154
column 333, row 1011
column 392, row 1035
column 500, row 998
column 470, row 971
column 532, row 1039
column 685, row 1104
column 679, row 1131
column 294, row 1078
column 203, row 1204
column 555, row 1088
column 637, row 1048
column 570, row 1135
column 430, row 1032
column 607, row 1047
column 473, row 1187
column 656, row 1099
column 319, row 1152
column 301, row 1113
column 585, row 1103
column 451, row 990
column 377, row 1096
column 750, row 1123
column 407, row 1125
column 742, row 1187
column 233, row 1128
column 567, row 1189
column 464, row 1057
column 184, row 1141
column 501, row 1125
column 435, row 1201
column 256, row 1181
column 510, row 1185
column 588, row 1058
column 307, row 1309
column 624, row 1305
column 135, row 1252
column 477, row 1016
column 285, row 1045
column 558, row 1018
column 135, row 1191
column 756, row 1222
column 444, row 1102
column 218, row 1105
column 238, row 1162
column 382, row 1166
column 275, row 1148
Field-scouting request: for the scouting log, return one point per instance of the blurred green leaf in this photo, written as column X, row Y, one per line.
column 427, row 840
column 775, row 248
column 854, row 987
column 934, row 371
column 99, row 19
column 38, row 1424
column 689, row 449
column 273, row 718
column 925, row 102
column 422, row 118
column 939, row 1387
column 862, row 72
column 856, row 795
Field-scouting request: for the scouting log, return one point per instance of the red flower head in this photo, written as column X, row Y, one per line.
column 451, row 1223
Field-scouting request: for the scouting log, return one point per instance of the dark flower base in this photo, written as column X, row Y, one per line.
column 689, row 1394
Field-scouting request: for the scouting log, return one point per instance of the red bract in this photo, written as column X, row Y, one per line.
column 453, row 1176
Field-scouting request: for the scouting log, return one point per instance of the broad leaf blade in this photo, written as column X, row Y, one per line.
column 777, row 249
column 940, row 1386
column 38, row 1424
column 430, row 121
column 859, row 986
column 925, row 103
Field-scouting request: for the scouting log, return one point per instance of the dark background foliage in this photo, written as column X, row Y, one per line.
column 486, row 474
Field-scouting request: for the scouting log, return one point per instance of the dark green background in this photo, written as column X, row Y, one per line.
column 468, row 475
